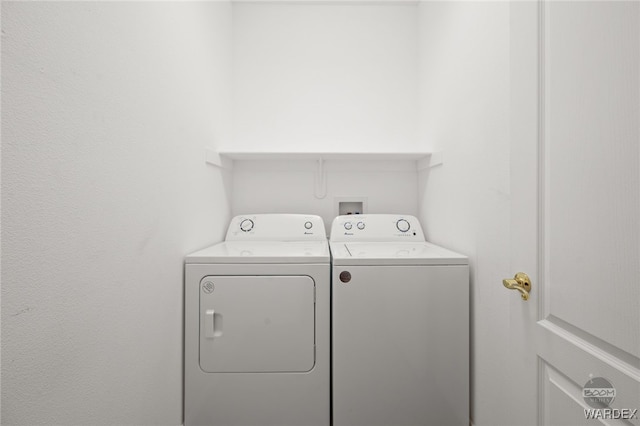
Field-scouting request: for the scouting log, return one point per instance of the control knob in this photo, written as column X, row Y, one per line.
column 246, row 225
column 403, row 225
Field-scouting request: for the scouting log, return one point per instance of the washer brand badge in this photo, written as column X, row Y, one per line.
column 208, row 287
column 598, row 392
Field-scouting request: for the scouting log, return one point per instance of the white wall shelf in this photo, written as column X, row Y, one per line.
column 225, row 159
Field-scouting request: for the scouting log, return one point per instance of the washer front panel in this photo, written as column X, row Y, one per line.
column 400, row 345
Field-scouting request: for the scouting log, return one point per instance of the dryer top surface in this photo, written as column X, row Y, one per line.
column 279, row 252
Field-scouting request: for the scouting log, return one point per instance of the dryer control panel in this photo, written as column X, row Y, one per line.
column 276, row 227
column 376, row 227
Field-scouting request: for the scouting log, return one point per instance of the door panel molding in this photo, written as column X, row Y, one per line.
column 556, row 386
column 590, row 286
column 542, row 302
column 626, row 364
column 570, row 352
column 587, row 267
column 542, row 267
column 577, row 362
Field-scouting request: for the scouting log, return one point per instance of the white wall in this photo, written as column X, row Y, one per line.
column 325, row 77
column 286, row 187
column 464, row 204
column 106, row 110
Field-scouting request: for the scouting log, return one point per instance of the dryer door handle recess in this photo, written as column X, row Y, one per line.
column 212, row 324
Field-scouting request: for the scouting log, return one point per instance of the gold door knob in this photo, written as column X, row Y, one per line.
column 520, row 282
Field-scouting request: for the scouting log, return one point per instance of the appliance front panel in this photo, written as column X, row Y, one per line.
column 257, row 324
column 400, row 345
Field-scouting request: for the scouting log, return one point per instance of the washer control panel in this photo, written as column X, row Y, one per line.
column 246, row 225
column 403, row 225
column 276, row 227
column 376, row 227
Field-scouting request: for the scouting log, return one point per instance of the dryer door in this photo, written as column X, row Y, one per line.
column 257, row 324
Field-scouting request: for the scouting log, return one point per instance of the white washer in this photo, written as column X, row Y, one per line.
column 257, row 325
column 400, row 325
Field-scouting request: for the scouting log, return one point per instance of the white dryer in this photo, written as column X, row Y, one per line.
column 400, row 325
column 257, row 325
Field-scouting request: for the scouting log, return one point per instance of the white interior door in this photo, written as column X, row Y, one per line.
column 575, row 207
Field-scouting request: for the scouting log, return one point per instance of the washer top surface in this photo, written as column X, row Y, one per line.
column 393, row 253
column 385, row 239
column 263, row 252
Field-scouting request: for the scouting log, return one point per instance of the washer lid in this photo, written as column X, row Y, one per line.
column 394, row 253
column 263, row 252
